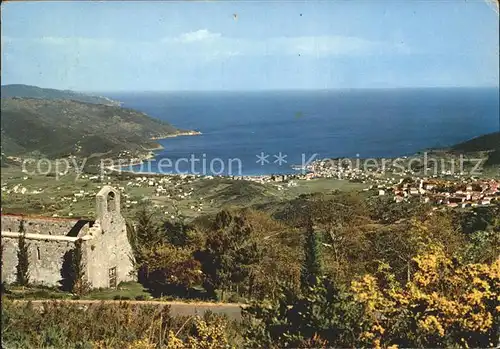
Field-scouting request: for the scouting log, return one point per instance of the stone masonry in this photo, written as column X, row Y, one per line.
column 107, row 253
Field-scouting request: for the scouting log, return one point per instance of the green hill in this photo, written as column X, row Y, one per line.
column 27, row 91
column 487, row 143
column 57, row 128
column 482, row 143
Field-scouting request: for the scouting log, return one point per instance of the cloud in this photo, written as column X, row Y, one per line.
column 51, row 40
column 199, row 35
column 333, row 46
column 71, row 41
column 202, row 46
column 220, row 54
column 205, row 42
column 319, row 46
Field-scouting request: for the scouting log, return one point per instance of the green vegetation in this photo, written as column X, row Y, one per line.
column 59, row 128
column 311, row 266
column 27, row 91
column 22, row 268
column 323, row 270
column 438, row 307
column 318, row 265
column 229, row 254
column 72, row 273
column 56, row 194
column 487, row 143
column 248, row 252
column 482, row 143
column 109, row 326
column 124, row 291
column 446, row 299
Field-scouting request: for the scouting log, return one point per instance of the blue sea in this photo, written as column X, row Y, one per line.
column 238, row 127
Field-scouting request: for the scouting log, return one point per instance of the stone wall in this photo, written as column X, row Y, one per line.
column 109, row 247
column 45, row 225
column 45, row 260
column 105, row 244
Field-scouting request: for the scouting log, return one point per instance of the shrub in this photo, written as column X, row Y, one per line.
column 107, row 326
column 121, row 298
column 444, row 304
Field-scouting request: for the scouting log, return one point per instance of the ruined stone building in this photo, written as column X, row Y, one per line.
column 107, row 254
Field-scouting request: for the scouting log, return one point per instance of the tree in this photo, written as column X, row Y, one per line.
column 483, row 245
column 181, row 234
column 311, row 266
column 278, row 246
column 171, row 270
column 319, row 316
column 229, row 253
column 322, row 317
column 80, row 285
column 398, row 244
column 73, row 271
column 385, row 210
column 146, row 232
column 22, row 268
column 144, row 235
column 339, row 219
column 2, row 283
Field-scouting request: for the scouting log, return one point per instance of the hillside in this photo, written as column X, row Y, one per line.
column 487, row 143
column 57, row 128
column 27, row 91
column 482, row 143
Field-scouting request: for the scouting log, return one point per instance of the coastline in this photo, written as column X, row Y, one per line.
column 179, row 134
column 151, row 152
column 319, row 168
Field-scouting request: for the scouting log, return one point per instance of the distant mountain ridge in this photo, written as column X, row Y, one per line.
column 28, row 91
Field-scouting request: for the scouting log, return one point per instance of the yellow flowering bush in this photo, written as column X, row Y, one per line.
column 144, row 343
column 204, row 336
column 445, row 303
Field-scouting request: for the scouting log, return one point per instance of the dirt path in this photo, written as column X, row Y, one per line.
column 232, row 310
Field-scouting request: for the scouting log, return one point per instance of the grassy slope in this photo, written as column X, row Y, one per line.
column 489, row 142
column 58, row 128
column 483, row 143
column 214, row 194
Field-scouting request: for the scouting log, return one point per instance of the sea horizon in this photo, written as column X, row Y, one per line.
column 364, row 123
column 329, row 89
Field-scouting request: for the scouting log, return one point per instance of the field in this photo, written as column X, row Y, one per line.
column 71, row 195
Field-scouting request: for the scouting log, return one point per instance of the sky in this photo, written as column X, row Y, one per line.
column 249, row 45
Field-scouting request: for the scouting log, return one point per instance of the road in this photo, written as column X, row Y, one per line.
column 232, row 310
